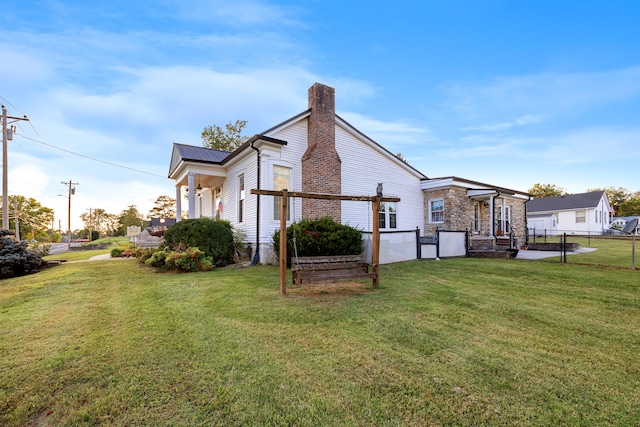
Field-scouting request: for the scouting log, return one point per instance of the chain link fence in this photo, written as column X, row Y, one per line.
column 609, row 250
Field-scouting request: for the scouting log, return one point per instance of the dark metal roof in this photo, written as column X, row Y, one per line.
column 200, row 154
column 566, row 202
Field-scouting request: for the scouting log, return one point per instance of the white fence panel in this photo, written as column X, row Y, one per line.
column 452, row 244
column 394, row 247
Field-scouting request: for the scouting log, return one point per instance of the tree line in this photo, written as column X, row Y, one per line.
column 30, row 220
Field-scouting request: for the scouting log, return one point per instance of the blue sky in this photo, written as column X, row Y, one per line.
column 509, row 93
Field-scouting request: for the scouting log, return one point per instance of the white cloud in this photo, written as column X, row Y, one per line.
column 544, row 94
column 389, row 134
column 520, row 121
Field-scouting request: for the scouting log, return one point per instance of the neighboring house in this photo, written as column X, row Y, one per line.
column 159, row 225
column 317, row 151
column 584, row 213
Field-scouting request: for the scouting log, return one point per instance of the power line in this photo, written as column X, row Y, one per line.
column 92, row 158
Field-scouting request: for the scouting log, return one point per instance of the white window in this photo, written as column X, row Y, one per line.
column 281, row 181
column 436, row 211
column 581, row 217
column 388, row 215
column 504, row 221
column 241, row 198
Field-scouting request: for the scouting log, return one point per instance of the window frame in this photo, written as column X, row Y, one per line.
column 241, row 199
column 276, row 199
column 432, row 211
column 388, row 215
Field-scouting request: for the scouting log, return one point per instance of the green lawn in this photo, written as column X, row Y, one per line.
column 451, row 342
column 612, row 252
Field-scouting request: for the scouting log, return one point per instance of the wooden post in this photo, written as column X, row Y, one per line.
column 283, row 242
column 375, row 257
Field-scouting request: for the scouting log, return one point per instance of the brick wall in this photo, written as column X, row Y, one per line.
column 321, row 165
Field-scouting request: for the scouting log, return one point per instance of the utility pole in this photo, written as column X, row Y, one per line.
column 72, row 190
column 7, row 135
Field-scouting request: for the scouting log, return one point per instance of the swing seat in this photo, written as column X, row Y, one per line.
column 329, row 269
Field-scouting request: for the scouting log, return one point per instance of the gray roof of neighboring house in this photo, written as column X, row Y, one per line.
column 566, row 202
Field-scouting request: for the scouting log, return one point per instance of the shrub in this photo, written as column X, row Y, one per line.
column 143, row 255
column 157, row 260
column 116, row 252
column 16, row 259
column 322, row 236
column 190, row 260
column 213, row 237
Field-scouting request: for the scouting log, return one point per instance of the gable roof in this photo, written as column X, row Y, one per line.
column 566, row 202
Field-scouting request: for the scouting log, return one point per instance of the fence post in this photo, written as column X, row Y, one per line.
column 564, row 248
column 418, row 245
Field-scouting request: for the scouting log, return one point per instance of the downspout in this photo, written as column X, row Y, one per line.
column 256, row 256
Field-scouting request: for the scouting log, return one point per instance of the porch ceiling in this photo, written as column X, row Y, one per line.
column 483, row 194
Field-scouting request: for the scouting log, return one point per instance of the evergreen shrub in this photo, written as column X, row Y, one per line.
column 16, row 259
column 213, row 237
column 322, row 236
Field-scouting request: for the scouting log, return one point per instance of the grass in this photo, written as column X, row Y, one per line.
column 610, row 251
column 85, row 254
column 455, row 342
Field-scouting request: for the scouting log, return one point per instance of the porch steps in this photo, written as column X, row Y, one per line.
column 488, row 253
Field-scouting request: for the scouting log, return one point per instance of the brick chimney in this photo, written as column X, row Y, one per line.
column 321, row 165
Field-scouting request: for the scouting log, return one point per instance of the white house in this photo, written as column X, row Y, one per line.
column 317, row 151
column 584, row 213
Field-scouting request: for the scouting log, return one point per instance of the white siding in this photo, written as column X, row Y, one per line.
column 363, row 167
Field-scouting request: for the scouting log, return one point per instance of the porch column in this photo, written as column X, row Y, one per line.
column 492, row 225
column 192, row 195
column 503, row 216
column 178, row 203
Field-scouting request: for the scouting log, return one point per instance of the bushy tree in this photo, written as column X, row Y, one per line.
column 163, row 207
column 129, row 217
column 616, row 195
column 631, row 206
column 16, row 259
column 546, row 190
column 33, row 218
column 322, row 236
column 227, row 139
column 213, row 237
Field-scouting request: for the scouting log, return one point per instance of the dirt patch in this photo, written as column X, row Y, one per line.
column 322, row 290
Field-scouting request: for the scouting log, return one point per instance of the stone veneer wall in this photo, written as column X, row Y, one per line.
column 321, row 164
column 458, row 210
column 518, row 219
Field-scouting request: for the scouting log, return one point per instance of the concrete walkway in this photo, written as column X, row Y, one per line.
column 549, row 254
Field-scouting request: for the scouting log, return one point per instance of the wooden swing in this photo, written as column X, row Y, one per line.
column 284, row 200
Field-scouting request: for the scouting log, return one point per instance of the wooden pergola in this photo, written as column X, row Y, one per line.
column 284, row 201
